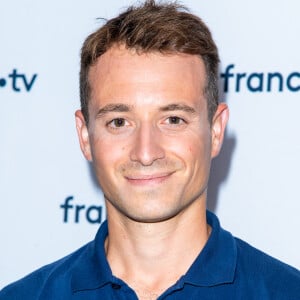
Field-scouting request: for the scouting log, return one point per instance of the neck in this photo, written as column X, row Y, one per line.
column 153, row 256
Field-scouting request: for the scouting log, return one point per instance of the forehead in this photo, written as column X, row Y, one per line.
column 124, row 73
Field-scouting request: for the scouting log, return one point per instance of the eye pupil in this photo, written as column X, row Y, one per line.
column 119, row 122
column 174, row 120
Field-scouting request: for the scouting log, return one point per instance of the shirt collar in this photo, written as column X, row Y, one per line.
column 215, row 264
column 92, row 270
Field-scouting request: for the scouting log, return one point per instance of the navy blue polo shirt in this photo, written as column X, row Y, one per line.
column 226, row 268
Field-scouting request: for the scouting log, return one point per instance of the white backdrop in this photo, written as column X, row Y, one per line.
column 254, row 185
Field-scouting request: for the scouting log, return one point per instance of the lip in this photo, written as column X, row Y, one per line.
column 148, row 179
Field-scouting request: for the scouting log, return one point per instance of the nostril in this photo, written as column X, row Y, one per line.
column 146, row 147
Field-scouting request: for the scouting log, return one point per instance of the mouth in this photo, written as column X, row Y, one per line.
column 148, row 179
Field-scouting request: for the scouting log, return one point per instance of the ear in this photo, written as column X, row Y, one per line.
column 83, row 135
column 218, row 128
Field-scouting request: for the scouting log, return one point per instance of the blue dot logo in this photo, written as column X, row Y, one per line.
column 2, row 82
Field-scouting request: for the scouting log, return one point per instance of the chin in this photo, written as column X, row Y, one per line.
column 150, row 219
column 153, row 213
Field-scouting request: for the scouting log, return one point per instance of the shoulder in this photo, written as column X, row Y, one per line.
column 54, row 275
column 258, row 269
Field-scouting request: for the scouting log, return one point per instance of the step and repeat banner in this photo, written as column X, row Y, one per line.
column 50, row 202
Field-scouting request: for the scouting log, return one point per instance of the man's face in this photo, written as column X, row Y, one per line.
column 148, row 136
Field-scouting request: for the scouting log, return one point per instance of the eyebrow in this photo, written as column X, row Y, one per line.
column 175, row 106
column 120, row 107
column 117, row 107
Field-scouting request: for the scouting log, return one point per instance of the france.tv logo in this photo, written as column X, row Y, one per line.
column 17, row 81
column 259, row 82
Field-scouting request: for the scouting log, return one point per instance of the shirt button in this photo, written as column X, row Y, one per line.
column 115, row 286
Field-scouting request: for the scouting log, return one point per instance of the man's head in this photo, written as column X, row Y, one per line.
column 164, row 28
column 151, row 123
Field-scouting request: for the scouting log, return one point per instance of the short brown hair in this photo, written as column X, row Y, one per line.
column 165, row 27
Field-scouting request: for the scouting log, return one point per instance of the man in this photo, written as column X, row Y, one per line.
column 150, row 123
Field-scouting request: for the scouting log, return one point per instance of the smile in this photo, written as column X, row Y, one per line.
column 148, row 179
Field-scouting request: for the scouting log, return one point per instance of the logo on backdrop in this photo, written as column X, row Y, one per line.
column 78, row 213
column 232, row 80
column 18, row 81
column 259, row 82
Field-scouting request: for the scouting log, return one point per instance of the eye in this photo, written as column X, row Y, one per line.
column 118, row 122
column 174, row 120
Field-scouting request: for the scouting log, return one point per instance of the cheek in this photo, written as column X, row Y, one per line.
column 195, row 152
column 184, row 149
column 107, row 153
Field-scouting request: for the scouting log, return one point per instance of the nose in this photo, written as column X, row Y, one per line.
column 147, row 145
